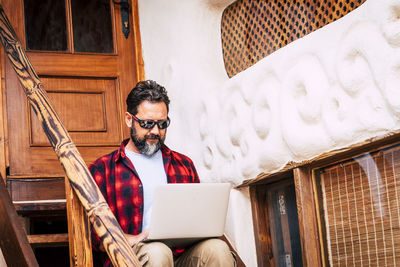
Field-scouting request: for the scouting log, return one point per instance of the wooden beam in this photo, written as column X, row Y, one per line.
column 3, row 115
column 22, row 207
column 262, row 236
column 140, row 75
column 3, row 119
column 309, row 234
column 99, row 213
column 27, row 189
column 13, row 241
column 48, row 240
column 80, row 245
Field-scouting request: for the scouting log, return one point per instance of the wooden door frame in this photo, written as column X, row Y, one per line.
column 138, row 42
column 3, row 120
column 3, row 117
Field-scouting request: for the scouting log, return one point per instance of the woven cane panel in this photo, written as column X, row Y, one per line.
column 253, row 29
column 361, row 200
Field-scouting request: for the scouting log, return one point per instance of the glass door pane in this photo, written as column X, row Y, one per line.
column 284, row 224
column 45, row 25
column 92, row 27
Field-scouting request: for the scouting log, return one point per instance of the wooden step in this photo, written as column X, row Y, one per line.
column 48, row 240
column 37, row 193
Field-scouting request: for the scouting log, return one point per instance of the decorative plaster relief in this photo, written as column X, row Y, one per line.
column 389, row 16
column 304, row 85
column 323, row 99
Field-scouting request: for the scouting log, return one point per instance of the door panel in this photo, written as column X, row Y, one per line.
column 76, row 64
column 87, row 90
column 93, row 101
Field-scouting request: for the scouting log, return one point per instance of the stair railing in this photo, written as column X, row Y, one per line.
column 79, row 177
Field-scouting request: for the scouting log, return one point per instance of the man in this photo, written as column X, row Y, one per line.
column 128, row 176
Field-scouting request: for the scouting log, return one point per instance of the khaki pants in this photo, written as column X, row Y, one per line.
column 210, row 253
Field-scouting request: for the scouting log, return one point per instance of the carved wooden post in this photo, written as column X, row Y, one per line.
column 80, row 179
column 80, row 247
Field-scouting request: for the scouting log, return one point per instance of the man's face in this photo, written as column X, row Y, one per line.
column 149, row 141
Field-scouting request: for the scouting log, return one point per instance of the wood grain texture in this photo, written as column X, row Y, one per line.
column 36, row 189
column 3, row 122
column 13, row 241
column 75, row 64
column 309, row 233
column 48, row 240
column 3, row 115
column 27, row 208
column 262, row 235
column 80, row 245
column 88, row 108
column 138, row 42
column 100, row 215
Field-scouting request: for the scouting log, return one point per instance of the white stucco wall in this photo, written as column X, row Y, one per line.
column 336, row 86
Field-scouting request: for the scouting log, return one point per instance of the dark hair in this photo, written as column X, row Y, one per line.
column 146, row 90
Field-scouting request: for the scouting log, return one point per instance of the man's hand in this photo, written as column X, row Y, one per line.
column 134, row 239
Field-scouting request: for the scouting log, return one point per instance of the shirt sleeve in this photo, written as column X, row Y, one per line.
column 100, row 181
column 193, row 172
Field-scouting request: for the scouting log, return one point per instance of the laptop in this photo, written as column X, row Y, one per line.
column 186, row 213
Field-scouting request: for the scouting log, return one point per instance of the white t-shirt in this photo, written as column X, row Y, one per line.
column 151, row 173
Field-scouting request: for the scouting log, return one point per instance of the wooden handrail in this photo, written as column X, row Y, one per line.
column 99, row 213
column 13, row 240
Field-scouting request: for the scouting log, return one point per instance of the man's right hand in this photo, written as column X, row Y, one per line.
column 134, row 239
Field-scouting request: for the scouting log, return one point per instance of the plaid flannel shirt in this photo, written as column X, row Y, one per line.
column 120, row 184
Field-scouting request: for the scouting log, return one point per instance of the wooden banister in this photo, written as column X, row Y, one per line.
column 80, row 179
column 13, row 240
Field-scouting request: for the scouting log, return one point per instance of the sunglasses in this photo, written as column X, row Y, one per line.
column 149, row 124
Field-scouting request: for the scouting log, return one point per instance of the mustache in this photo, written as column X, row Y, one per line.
column 153, row 136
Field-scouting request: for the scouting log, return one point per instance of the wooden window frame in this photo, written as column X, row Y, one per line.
column 309, row 206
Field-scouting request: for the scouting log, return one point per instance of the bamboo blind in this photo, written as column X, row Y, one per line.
column 253, row 29
column 361, row 200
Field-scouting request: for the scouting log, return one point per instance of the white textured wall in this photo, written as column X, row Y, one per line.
column 334, row 87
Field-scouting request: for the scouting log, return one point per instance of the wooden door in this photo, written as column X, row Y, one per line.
column 87, row 67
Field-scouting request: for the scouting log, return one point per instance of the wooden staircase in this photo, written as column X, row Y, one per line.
column 41, row 206
column 39, row 198
column 13, row 240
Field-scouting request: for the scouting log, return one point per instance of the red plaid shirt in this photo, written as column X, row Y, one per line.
column 120, row 184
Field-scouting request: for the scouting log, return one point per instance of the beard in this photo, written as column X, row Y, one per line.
column 143, row 146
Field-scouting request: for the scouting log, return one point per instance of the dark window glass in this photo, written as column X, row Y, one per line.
column 91, row 20
column 45, row 25
column 282, row 213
